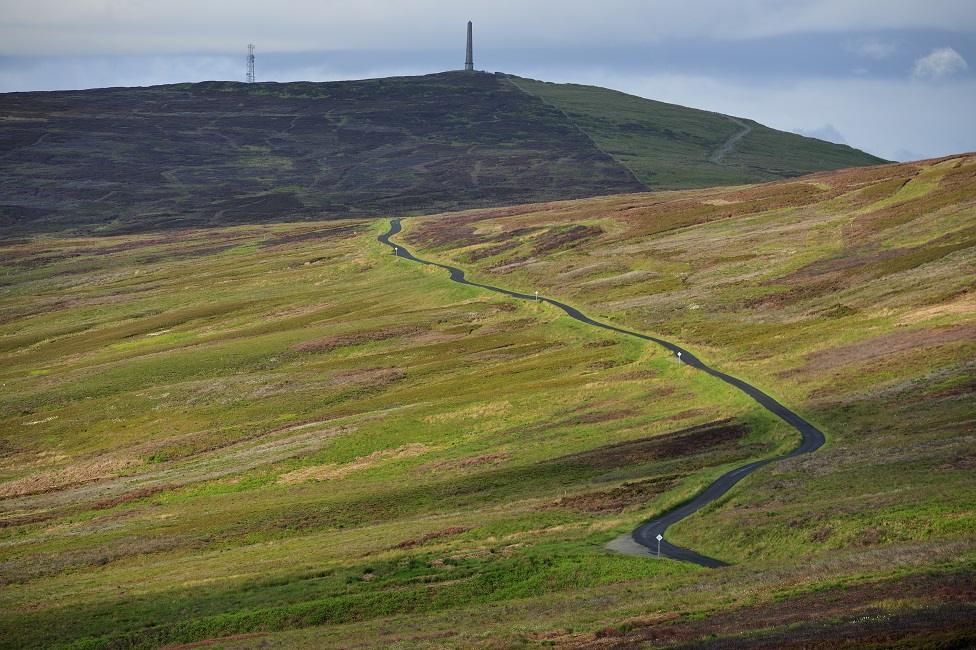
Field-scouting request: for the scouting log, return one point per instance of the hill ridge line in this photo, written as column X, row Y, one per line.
column 222, row 153
column 811, row 438
column 583, row 132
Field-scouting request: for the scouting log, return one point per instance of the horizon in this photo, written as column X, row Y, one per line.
column 895, row 83
column 818, row 136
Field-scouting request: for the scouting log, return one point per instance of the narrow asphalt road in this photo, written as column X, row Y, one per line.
column 646, row 534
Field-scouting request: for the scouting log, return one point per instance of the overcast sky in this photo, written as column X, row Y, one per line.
column 894, row 77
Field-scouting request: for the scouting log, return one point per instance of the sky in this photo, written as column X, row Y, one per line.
column 896, row 78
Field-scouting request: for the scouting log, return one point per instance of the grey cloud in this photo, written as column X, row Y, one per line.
column 56, row 27
column 826, row 132
column 939, row 63
column 872, row 48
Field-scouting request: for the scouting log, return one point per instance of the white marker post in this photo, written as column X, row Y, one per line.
column 537, row 296
column 396, row 252
column 659, row 538
column 679, row 357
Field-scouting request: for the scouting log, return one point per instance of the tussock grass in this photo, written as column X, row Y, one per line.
column 275, row 435
column 468, row 455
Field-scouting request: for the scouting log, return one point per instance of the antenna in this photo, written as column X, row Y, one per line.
column 250, row 63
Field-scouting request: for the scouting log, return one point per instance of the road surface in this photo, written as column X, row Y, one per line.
column 645, row 535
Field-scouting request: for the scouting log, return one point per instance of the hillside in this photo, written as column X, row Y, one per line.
column 220, row 153
column 285, row 433
column 673, row 147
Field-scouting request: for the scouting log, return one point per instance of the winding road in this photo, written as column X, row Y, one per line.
column 646, row 534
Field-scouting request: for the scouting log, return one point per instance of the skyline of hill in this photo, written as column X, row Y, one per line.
column 122, row 160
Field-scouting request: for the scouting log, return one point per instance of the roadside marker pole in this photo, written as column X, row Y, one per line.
column 537, row 296
column 396, row 251
column 659, row 538
column 679, row 357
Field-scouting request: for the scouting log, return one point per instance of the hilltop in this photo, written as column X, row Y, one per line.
column 121, row 160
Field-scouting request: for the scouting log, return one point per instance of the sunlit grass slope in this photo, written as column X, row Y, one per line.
column 249, row 429
column 850, row 296
column 283, row 436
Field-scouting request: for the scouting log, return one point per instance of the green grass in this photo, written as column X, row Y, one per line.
column 286, row 433
column 672, row 147
column 850, row 298
column 183, row 458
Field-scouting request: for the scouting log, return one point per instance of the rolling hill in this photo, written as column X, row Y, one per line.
column 280, row 435
column 121, row 160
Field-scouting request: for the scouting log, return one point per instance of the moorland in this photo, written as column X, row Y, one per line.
column 280, row 435
column 126, row 160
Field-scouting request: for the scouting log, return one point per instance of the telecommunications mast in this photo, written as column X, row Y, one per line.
column 250, row 63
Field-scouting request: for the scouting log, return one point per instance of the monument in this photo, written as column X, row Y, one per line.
column 469, row 55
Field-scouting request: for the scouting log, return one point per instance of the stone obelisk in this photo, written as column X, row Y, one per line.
column 469, row 54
